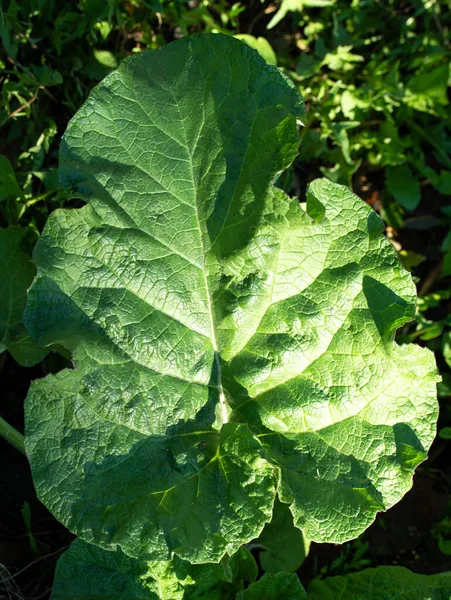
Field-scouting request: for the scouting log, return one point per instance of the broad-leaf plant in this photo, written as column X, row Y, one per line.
column 231, row 348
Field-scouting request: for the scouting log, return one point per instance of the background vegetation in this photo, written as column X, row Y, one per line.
column 375, row 75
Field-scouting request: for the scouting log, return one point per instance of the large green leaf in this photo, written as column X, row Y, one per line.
column 382, row 583
column 226, row 342
column 16, row 274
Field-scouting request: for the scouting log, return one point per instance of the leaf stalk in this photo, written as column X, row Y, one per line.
column 11, row 435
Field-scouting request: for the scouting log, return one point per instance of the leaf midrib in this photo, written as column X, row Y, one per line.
column 217, row 361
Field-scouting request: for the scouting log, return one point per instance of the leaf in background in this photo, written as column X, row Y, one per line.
column 446, row 347
column 225, row 340
column 46, row 76
column 445, row 433
column 8, row 181
column 443, row 182
column 425, row 89
column 410, row 259
column 282, row 545
column 16, row 274
column 275, row 586
column 403, row 186
column 342, row 59
column 444, row 386
column 25, row 511
column 307, row 65
column 260, row 44
column 382, row 583
column 86, row 570
column 8, row 24
column 100, row 64
column 340, row 135
column 287, row 6
column 35, row 155
column 446, row 264
column 243, row 566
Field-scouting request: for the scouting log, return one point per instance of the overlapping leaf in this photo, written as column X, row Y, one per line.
column 226, row 341
column 88, row 571
column 16, row 274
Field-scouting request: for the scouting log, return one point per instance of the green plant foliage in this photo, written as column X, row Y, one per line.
column 226, row 341
column 86, row 570
column 287, row 6
column 382, row 583
column 275, row 586
column 16, row 274
column 402, row 184
column 377, row 76
column 281, row 545
column 262, row 46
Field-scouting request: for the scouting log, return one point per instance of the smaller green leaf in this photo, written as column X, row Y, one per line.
column 100, row 64
column 106, row 58
column 275, row 586
column 410, row 259
column 46, row 76
column 26, row 516
column 444, row 546
column 342, row 59
column 444, row 386
column 382, row 583
column 446, row 264
column 425, row 89
column 283, row 547
column 243, row 565
column 443, row 183
column 340, row 135
column 348, row 103
column 287, row 6
column 445, row 433
column 446, row 244
column 433, row 299
column 446, row 347
column 307, row 66
column 403, row 186
column 87, row 571
column 16, row 274
column 260, row 44
column 8, row 181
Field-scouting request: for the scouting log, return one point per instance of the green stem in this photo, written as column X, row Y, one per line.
column 11, row 435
